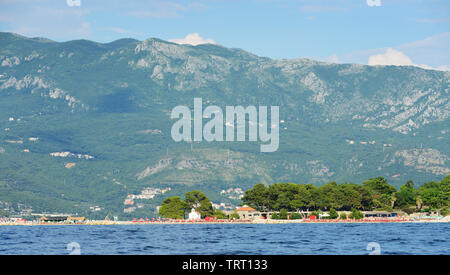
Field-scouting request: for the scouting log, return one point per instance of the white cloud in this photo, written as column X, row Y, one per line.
column 373, row 3
column 398, row 58
column 432, row 51
column 192, row 39
column 390, row 57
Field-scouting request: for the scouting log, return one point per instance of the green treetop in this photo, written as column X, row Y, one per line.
column 173, row 208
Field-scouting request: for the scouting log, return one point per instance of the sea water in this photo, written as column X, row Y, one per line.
column 238, row 239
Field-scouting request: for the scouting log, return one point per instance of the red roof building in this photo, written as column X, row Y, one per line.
column 246, row 213
column 245, row 208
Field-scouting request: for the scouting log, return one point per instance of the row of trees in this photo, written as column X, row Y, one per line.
column 373, row 194
column 175, row 208
column 332, row 215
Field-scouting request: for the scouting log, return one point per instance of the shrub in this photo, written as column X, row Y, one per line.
column 356, row 214
column 219, row 214
column 333, row 214
column 235, row 215
column 343, row 216
column 295, row 216
column 283, row 214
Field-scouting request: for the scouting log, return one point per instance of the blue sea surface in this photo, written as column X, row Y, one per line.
column 238, row 239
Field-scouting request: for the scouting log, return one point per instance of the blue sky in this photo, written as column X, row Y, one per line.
column 401, row 32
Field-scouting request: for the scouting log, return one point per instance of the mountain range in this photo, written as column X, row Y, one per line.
column 85, row 127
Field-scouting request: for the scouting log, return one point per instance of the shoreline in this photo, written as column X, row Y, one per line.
column 443, row 220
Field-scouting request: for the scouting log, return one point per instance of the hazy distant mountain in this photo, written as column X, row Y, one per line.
column 84, row 124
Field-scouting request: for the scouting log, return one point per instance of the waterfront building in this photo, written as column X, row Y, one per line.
column 381, row 214
column 54, row 219
column 246, row 213
column 194, row 215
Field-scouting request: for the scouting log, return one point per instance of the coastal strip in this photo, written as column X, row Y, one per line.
column 256, row 221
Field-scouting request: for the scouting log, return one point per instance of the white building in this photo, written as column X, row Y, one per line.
column 194, row 215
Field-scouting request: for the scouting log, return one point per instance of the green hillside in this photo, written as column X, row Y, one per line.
column 108, row 106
